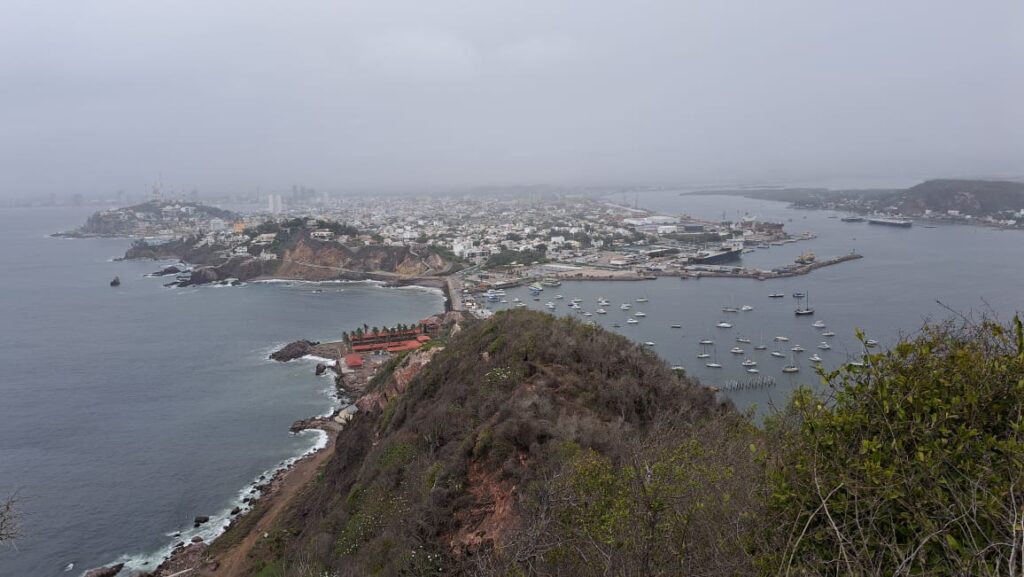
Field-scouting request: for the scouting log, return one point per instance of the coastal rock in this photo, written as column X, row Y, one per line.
column 199, row 520
column 197, row 539
column 320, row 369
column 109, row 571
column 167, row 271
column 293, row 350
column 236, row 510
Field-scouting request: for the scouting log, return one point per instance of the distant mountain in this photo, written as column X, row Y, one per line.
column 974, row 197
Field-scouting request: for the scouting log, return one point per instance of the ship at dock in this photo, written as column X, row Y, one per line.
column 715, row 257
column 852, row 219
column 891, row 221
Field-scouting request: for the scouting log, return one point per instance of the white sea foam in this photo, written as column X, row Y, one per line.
column 425, row 289
column 219, row 521
column 316, row 359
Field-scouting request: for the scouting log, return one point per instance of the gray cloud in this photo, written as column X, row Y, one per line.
column 99, row 95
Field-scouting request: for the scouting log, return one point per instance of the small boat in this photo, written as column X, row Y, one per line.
column 818, row 324
column 603, row 302
column 749, row 363
column 678, row 368
column 781, row 339
column 675, row 326
column 824, row 346
column 535, row 287
column 588, row 314
column 550, row 305
column 761, row 346
column 536, row 299
column 814, row 358
column 724, row 325
column 703, row 355
column 505, row 301
column 792, row 367
column 746, row 308
column 616, row 325
column 641, row 300
column 797, row 349
column 778, row 354
column 639, row 314
column 805, row 309
column 625, row 307
column 736, row 351
column 713, row 365
column 515, row 299
column 753, row 371
column 707, row 342
column 519, row 305
column 799, row 295
column 559, row 297
column 776, row 296
column 601, row 312
column 632, row 321
column 858, row 364
column 828, row 334
column 649, row 343
column 871, row 343
column 742, row 340
column 576, row 300
column 730, row 310
column 116, row 281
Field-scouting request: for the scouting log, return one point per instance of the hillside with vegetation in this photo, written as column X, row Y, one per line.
column 533, row 445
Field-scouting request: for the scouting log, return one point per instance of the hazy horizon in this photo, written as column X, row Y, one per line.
column 108, row 95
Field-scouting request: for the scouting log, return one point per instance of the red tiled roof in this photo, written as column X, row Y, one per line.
column 353, row 360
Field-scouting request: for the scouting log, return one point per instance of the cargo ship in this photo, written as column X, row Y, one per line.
column 891, row 221
column 711, row 257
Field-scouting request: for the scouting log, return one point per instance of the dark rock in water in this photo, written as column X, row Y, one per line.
column 320, row 369
column 200, row 520
column 236, row 282
column 294, row 350
column 197, row 539
column 236, row 510
column 105, row 571
column 116, row 281
column 167, row 271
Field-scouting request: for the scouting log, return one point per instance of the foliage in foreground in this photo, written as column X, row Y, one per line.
column 915, row 466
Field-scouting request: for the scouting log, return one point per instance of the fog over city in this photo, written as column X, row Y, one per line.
column 105, row 95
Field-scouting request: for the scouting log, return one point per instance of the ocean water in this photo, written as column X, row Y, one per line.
column 906, row 278
column 125, row 412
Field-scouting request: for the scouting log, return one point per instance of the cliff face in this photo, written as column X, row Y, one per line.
column 446, row 459
column 309, row 259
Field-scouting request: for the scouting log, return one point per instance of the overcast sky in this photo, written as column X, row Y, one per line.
column 228, row 95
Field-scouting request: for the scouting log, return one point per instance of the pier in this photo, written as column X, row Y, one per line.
column 764, row 274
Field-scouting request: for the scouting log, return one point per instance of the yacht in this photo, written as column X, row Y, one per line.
column 724, row 325
column 749, row 363
column 639, row 314
column 504, row 301
column 824, row 346
column 814, row 358
column 616, row 325
column 707, row 342
column 746, row 308
column 632, row 321
column 603, row 302
column 736, row 351
column 753, row 371
column 781, row 339
column 588, row 314
column 797, row 349
column 559, row 297
column 871, row 343
column 520, row 304
column 675, row 326
column 649, row 344
column 515, row 299
column 778, row 354
column 641, row 300
column 761, row 346
column 625, row 307
column 601, row 312
column 776, row 296
column 799, row 295
column 730, row 310
column 818, row 324
column 576, row 300
column 703, row 355
column 742, row 340
column 828, row 334
column 791, row 369
column 805, row 309
column 678, row 368
column 535, row 287
column 856, row 364
column 550, row 305
column 713, row 365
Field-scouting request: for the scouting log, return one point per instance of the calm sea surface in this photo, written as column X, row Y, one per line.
column 890, row 292
column 125, row 412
